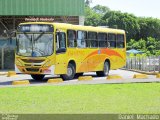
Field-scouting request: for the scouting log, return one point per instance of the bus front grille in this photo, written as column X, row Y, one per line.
column 32, row 69
column 32, row 61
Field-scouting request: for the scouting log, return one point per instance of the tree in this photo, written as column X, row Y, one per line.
column 142, row 33
column 99, row 9
column 151, row 45
column 130, row 44
column 149, row 27
column 125, row 21
column 93, row 16
column 158, row 53
column 88, row 2
column 139, row 45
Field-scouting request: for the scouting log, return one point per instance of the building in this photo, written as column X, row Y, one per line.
column 13, row 12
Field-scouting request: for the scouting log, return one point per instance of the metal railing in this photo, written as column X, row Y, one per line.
column 143, row 63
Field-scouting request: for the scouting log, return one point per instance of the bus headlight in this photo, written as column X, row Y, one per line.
column 47, row 64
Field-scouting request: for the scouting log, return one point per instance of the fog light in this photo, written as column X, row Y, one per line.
column 23, row 70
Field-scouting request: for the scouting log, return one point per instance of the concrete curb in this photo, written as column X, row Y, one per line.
column 11, row 73
column 140, row 76
column 23, row 82
column 85, row 78
column 114, row 77
column 52, row 81
column 158, row 76
column 3, row 73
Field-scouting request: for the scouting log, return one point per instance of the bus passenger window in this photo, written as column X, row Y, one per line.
column 92, row 40
column 72, row 38
column 81, row 39
column 112, row 40
column 120, row 41
column 102, row 39
column 60, row 41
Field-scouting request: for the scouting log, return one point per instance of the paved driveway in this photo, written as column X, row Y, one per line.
column 127, row 78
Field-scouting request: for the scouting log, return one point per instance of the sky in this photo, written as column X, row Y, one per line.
column 140, row 8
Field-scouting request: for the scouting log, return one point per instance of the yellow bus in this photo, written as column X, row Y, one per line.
column 68, row 50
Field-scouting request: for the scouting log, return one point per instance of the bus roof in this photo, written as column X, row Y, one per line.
column 79, row 27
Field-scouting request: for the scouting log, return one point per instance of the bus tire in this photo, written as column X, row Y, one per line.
column 105, row 71
column 70, row 72
column 77, row 75
column 37, row 77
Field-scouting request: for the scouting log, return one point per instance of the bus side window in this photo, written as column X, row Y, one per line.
column 92, row 40
column 120, row 41
column 102, row 39
column 81, row 39
column 71, row 38
column 60, row 42
column 112, row 40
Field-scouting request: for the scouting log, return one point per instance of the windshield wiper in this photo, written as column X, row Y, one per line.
column 39, row 36
column 27, row 36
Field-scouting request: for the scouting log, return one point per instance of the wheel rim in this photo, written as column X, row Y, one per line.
column 106, row 68
column 69, row 71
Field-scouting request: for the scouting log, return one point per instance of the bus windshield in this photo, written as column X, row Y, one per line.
column 34, row 45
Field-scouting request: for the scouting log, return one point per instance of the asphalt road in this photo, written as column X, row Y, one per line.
column 127, row 78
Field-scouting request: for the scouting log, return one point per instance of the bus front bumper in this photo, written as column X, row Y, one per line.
column 35, row 70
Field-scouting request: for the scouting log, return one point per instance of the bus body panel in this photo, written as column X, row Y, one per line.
column 61, row 64
column 86, row 59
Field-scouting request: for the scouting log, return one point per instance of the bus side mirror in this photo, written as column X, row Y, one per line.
column 108, row 44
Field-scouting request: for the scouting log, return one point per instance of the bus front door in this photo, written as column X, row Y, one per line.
column 61, row 58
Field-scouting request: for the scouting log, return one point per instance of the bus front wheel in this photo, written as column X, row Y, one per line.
column 37, row 77
column 70, row 72
column 105, row 71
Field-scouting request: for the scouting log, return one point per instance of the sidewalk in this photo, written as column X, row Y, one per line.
column 4, row 72
column 143, row 72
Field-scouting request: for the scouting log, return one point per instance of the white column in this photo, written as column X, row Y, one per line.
column 81, row 20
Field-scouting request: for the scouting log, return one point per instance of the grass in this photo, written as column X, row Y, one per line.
column 105, row 98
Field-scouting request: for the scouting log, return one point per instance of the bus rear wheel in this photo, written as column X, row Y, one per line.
column 70, row 72
column 105, row 71
column 37, row 77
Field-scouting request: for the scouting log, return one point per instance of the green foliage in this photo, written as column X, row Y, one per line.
column 88, row 2
column 149, row 27
column 142, row 33
column 125, row 21
column 99, row 9
column 93, row 16
column 150, row 46
column 131, row 55
column 138, row 55
column 157, row 53
column 130, row 44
